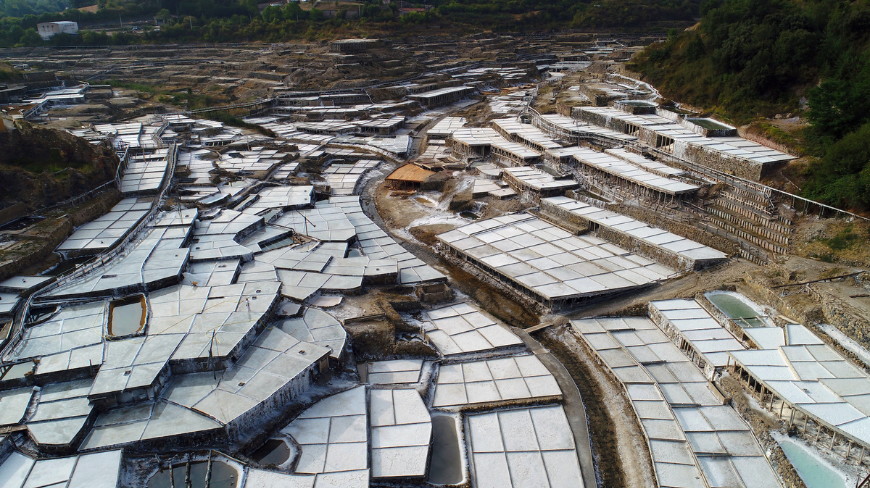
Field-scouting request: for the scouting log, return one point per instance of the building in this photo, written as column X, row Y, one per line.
column 442, row 96
column 408, row 177
column 351, row 46
column 47, row 30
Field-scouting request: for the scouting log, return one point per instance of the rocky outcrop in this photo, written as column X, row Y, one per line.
column 40, row 167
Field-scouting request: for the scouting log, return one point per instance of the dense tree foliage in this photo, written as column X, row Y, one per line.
column 239, row 20
column 842, row 175
column 759, row 57
column 20, row 8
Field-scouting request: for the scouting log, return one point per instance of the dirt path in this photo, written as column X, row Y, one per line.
column 618, row 445
column 573, row 404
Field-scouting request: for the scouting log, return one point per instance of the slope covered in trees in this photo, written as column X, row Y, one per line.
column 242, row 20
column 749, row 58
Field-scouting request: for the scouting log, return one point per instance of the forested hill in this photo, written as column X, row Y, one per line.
column 749, row 58
column 247, row 20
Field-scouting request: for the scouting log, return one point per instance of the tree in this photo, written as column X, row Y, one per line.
column 30, row 38
column 163, row 15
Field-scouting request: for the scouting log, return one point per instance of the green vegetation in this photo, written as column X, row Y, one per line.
column 184, row 97
column 842, row 174
column 241, row 20
column 20, row 8
column 847, row 244
column 751, row 58
column 192, row 101
column 8, row 73
column 845, row 239
column 776, row 134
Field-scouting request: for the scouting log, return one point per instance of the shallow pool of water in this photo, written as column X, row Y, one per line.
column 21, row 223
column 446, row 466
column 127, row 317
column 67, row 266
column 282, row 242
column 811, row 469
column 222, row 476
column 273, row 453
column 737, row 309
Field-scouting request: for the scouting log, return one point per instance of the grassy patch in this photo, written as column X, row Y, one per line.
column 794, row 140
column 845, row 239
column 184, row 97
column 838, row 242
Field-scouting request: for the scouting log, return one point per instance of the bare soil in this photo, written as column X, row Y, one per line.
column 426, row 233
column 398, row 211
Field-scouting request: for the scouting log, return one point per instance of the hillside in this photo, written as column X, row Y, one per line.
column 242, row 20
column 755, row 58
column 40, row 167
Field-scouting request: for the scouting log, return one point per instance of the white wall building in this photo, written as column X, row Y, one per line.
column 47, row 30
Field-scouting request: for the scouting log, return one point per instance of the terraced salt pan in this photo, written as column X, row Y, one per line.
column 523, row 447
column 333, row 434
column 694, row 439
column 811, row 377
column 622, row 169
column 529, row 134
column 324, row 223
column 213, row 273
column 255, row 160
column 264, row 373
column 698, row 328
column 463, row 328
column 313, row 267
column 687, row 249
column 549, row 262
column 259, row 478
column 281, row 197
column 218, row 238
column 344, row 177
column 401, row 433
column 376, row 244
column 61, row 413
column 397, row 371
column 73, row 328
column 98, row 470
column 537, row 180
column 493, row 381
column 13, row 405
column 149, row 421
column 145, row 173
column 317, row 327
column 156, row 260
column 575, row 128
column 107, row 230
